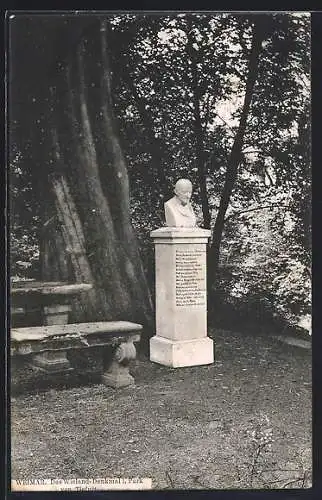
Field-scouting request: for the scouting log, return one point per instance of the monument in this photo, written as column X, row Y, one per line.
column 181, row 286
column 178, row 210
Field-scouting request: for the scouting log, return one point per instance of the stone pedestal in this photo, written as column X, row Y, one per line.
column 54, row 361
column 181, row 298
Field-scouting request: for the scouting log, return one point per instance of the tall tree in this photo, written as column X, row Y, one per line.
column 259, row 33
column 178, row 71
column 80, row 141
column 198, row 128
column 192, row 94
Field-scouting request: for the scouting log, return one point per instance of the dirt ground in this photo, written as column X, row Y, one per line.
column 243, row 422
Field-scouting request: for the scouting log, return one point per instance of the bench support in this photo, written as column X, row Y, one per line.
column 51, row 361
column 117, row 374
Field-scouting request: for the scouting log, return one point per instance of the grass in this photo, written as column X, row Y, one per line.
column 243, row 422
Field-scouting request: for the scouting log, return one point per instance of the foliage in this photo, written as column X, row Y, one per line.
column 24, row 223
column 264, row 265
column 169, row 71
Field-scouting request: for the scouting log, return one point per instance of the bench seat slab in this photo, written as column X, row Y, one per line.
column 64, row 343
column 78, row 329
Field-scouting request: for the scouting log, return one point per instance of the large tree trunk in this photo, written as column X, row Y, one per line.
column 235, row 155
column 89, row 155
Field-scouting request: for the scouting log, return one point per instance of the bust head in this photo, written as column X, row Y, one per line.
column 183, row 191
column 178, row 210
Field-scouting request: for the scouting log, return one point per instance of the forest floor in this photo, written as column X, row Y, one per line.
column 243, row 422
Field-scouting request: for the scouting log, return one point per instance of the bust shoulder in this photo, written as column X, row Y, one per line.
column 172, row 202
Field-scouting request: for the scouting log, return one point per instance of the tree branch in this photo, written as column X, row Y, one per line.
column 242, row 42
column 224, row 121
column 206, row 109
column 262, row 207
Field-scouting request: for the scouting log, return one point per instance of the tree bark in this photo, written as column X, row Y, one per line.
column 91, row 160
column 235, row 155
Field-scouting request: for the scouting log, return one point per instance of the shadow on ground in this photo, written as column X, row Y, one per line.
column 243, row 422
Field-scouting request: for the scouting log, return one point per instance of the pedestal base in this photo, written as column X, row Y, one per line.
column 52, row 361
column 117, row 376
column 181, row 353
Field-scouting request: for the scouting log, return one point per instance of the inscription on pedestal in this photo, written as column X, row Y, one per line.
column 190, row 278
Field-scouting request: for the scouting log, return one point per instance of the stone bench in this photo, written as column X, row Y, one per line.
column 48, row 346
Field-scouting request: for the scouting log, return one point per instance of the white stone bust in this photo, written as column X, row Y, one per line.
column 178, row 210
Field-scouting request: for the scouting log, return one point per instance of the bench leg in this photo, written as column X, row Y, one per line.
column 117, row 374
column 56, row 315
column 51, row 361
